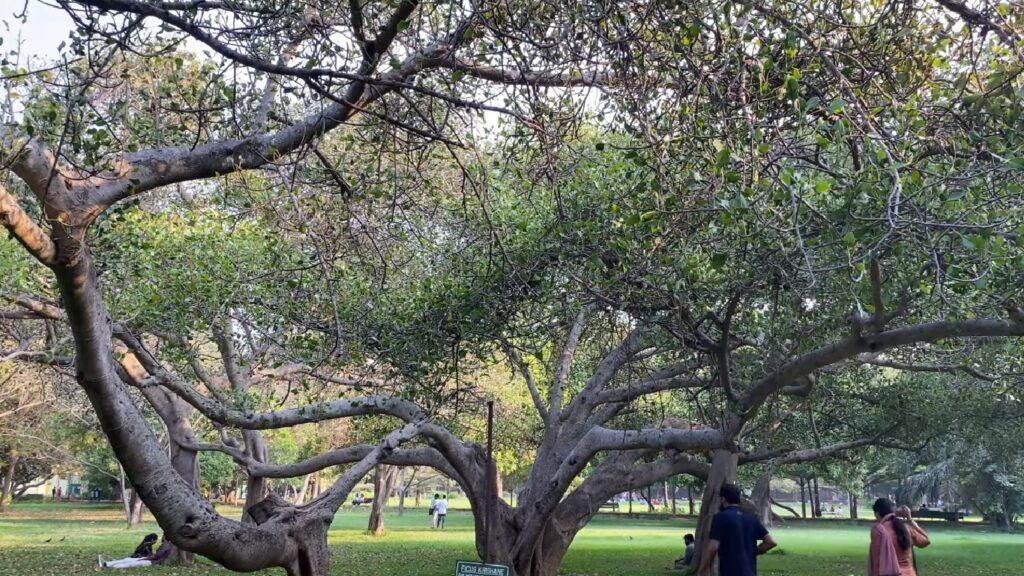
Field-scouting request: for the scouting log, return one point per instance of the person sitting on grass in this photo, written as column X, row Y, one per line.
column 146, row 555
column 145, row 548
column 686, row 559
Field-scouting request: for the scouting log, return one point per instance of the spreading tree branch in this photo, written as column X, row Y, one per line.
column 24, row 230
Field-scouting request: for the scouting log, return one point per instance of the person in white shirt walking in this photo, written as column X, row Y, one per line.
column 441, row 510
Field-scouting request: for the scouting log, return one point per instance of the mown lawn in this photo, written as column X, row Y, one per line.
column 47, row 539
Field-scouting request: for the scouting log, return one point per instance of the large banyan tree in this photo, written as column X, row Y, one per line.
column 682, row 223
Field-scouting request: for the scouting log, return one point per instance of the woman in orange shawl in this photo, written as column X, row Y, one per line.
column 892, row 541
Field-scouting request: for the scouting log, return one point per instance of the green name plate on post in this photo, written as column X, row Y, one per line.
column 463, row 568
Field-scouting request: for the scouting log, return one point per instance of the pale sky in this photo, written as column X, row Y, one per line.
column 43, row 29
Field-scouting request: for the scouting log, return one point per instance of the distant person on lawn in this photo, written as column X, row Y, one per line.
column 433, row 510
column 734, row 538
column 892, row 541
column 143, row 555
column 686, row 560
column 442, row 510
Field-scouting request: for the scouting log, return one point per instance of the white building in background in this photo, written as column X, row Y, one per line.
column 68, row 485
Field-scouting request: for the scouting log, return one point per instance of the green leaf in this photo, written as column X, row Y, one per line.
column 973, row 242
column 723, row 158
column 792, row 87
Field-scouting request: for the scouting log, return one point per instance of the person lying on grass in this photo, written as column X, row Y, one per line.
column 143, row 555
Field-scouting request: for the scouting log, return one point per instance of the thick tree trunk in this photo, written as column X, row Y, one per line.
column 540, row 553
column 375, row 525
column 853, row 505
column 126, row 498
column 136, row 509
column 761, row 497
column 803, row 497
column 5, row 489
column 255, row 486
column 174, row 413
column 402, row 489
column 312, row 555
column 723, row 471
column 1005, row 519
column 383, row 484
column 815, row 499
column 542, row 557
column 689, row 500
column 547, row 556
column 314, row 487
column 184, row 460
column 532, row 539
column 300, row 497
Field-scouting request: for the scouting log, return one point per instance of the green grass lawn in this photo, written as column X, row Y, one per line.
column 608, row 546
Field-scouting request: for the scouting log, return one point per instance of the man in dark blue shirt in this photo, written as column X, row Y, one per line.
column 734, row 536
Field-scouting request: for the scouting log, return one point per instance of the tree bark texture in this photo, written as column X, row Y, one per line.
column 383, row 484
column 723, row 471
column 761, row 497
column 8, row 481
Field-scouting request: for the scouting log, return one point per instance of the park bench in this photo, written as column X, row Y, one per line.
column 610, row 505
column 939, row 515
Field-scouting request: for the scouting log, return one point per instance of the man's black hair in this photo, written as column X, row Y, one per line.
column 731, row 493
column 150, row 538
column 688, row 538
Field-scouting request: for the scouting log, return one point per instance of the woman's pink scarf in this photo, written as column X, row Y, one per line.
column 882, row 559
